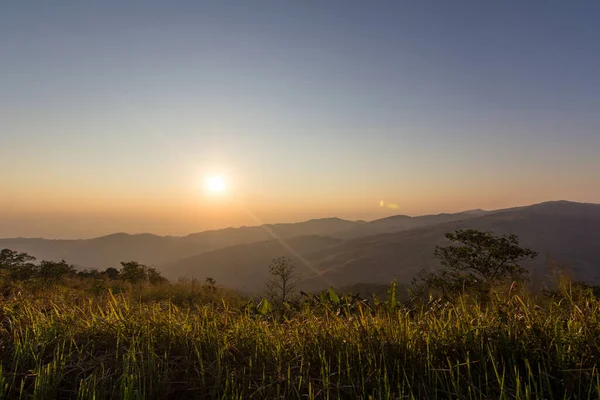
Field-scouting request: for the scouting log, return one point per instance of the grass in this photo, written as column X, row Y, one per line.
column 61, row 343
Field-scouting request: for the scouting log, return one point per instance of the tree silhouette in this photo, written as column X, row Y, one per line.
column 20, row 266
column 52, row 271
column 154, row 277
column 476, row 261
column 111, row 273
column 133, row 272
column 283, row 282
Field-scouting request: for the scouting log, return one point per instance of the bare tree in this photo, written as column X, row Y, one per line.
column 283, row 282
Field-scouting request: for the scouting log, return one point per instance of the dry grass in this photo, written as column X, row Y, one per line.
column 61, row 344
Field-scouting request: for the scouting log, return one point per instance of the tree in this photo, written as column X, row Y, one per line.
column 210, row 284
column 111, row 273
column 52, row 271
column 90, row 273
column 20, row 266
column 283, row 282
column 10, row 259
column 133, row 272
column 476, row 261
column 155, row 277
column 23, row 272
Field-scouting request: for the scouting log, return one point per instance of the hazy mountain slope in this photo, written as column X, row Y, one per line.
column 246, row 266
column 109, row 250
column 102, row 252
column 569, row 231
column 150, row 249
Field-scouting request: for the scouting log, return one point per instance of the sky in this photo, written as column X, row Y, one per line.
column 112, row 114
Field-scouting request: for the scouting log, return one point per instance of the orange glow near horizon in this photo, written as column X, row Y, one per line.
column 179, row 204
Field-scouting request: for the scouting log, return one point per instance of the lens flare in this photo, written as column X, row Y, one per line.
column 388, row 205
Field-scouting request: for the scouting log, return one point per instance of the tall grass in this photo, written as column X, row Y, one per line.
column 60, row 345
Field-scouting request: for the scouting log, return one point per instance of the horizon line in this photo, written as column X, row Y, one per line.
column 289, row 223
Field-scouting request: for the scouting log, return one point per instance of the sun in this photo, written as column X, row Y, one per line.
column 215, row 184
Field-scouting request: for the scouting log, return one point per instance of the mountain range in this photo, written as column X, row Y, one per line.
column 340, row 253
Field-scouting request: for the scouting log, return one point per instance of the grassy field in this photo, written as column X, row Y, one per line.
column 63, row 343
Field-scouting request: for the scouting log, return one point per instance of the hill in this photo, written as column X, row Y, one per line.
column 150, row 249
column 156, row 250
column 244, row 266
column 568, row 232
column 337, row 252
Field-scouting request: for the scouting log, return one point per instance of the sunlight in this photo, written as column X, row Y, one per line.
column 215, row 184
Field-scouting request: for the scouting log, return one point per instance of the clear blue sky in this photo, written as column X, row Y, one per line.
column 111, row 112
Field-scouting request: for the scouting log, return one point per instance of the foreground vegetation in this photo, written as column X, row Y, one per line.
column 61, row 344
column 140, row 338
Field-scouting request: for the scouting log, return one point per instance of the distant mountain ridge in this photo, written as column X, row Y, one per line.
column 568, row 232
column 333, row 251
column 110, row 250
column 398, row 223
